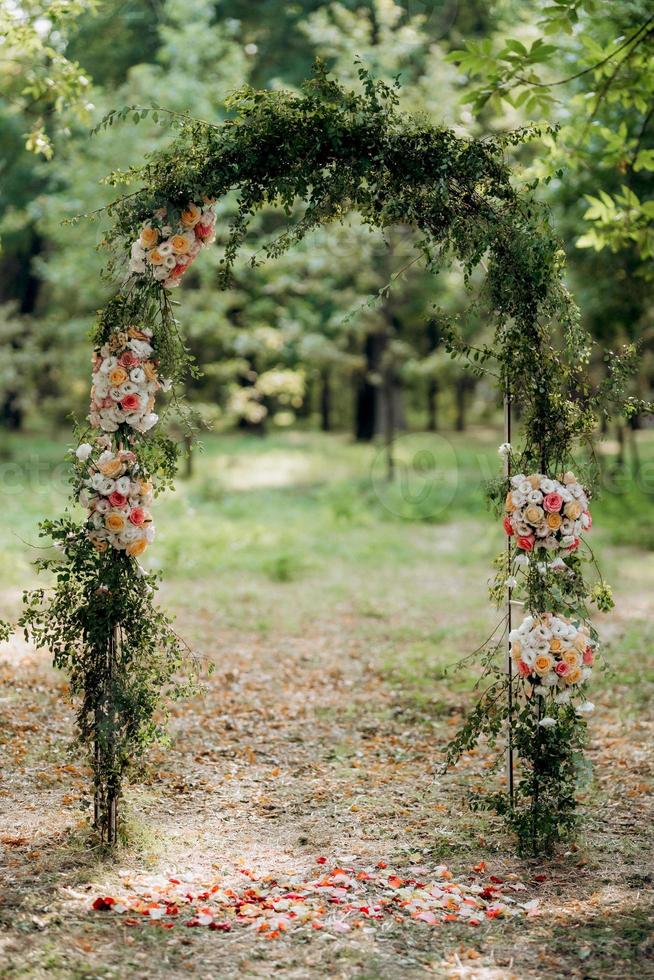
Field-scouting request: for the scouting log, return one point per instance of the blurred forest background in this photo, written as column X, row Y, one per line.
column 316, row 339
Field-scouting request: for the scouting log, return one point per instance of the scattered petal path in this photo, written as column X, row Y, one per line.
column 335, row 898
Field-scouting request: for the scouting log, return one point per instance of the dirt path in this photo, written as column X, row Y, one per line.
column 301, row 749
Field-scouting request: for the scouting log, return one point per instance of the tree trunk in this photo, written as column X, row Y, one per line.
column 326, row 401
column 460, row 390
column 432, row 405
column 366, row 400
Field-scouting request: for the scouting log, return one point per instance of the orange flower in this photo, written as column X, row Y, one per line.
column 190, row 216
column 112, row 468
column 534, row 480
column 155, row 257
column 149, row 237
column 509, row 505
column 554, row 521
column 555, row 645
column 118, row 376
column 543, row 664
column 571, row 658
column 573, row 676
column 180, row 244
column 534, row 514
column 137, row 547
column 572, row 510
column 114, row 521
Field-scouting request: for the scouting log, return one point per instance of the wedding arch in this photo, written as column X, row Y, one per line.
column 334, row 151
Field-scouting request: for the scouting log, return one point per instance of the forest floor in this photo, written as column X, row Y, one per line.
column 330, row 615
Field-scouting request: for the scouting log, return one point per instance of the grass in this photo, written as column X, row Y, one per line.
column 332, row 605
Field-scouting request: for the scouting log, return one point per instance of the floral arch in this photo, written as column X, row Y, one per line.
column 336, row 151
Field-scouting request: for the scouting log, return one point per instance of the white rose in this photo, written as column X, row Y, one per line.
column 525, row 488
column 123, row 484
column 137, row 375
column 586, row 708
column 521, row 560
column 96, row 481
column 517, row 479
column 140, row 347
column 101, row 388
column 148, row 421
column 511, row 582
column 547, row 722
column 547, row 486
column 137, row 266
column 83, row 451
column 159, row 272
column 108, row 486
column 534, row 497
column 149, row 533
column 563, row 697
column 550, row 680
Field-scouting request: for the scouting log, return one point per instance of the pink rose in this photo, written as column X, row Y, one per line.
column 137, row 516
column 179, row 269
column 575, row 544
column 561, row 669
column 128, row 359
column 203, row 231
column 117, row 499
column 526, row 542
column 508, row 526
column 553, row 503
column 130, row 403
column 589, row 657
column 524, row 669
column 589, row 520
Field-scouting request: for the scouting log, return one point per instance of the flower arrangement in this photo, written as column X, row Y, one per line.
column 125, row 382
column 169, row 243
column 546, row 513
column 554, row 654
column 117, row 494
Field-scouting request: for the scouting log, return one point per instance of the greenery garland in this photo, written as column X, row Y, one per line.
column 335, row 151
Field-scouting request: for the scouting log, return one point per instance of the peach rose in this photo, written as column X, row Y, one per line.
column 137, row 547
column 112, row 468
column 150, row 371
column 573, row 676
column 569, row 478
column 114, row 521
column 145, row 488
column 555, row 645
column 149, row 237
column 534, row 514
column 534, row 480
column 572, row 510
column 190, row 217
column 543, row 664
column 516, row 649
column 571, row 658
column 579, row 642
column 554, row 521
column 180, row 244
column 508, row 504
column 118, row 376
column 155, row 257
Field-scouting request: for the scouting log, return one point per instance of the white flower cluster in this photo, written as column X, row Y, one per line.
column 125, row 382
column 546, row 513
column 554, row 654
column 117, row 496
column 166, row 250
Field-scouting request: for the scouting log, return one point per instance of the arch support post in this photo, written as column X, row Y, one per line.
column 105, row 803
column 509, row 612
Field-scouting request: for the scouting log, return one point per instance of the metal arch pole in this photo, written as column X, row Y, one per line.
column 509, row 608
